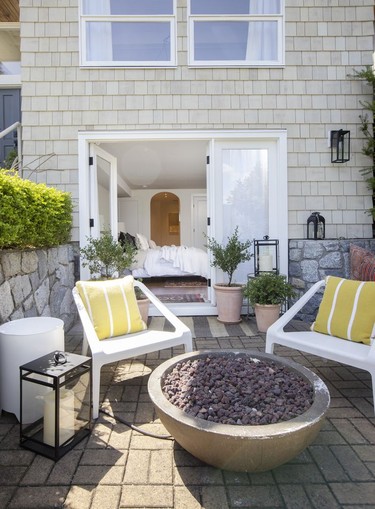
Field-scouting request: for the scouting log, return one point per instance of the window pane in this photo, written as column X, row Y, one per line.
column 133, row 42
column 235, row 40
column 235, row 6
column 136, row 7
column 10, row 68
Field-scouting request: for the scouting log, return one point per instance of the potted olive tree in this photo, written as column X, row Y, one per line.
column 229, row 295
column 266, row 293
column 107, row 258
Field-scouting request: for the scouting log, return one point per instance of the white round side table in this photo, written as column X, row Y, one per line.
column 22, row 341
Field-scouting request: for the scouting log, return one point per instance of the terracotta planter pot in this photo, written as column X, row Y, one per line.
column 143, row 305
column 229, row 303
column 266, row 315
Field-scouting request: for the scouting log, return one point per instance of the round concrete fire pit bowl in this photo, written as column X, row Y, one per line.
column 241, row 448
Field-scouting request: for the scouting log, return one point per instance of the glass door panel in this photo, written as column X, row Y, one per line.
column 103, row 190
column 242, row 193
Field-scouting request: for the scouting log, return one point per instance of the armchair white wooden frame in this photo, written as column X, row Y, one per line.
column 351, row 353
column 119, row 348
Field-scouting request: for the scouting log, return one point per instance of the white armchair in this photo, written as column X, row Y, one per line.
column 352, row 353
column 130, row 345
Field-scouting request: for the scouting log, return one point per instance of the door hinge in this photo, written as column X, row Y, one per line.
column 209, row 283
column 208, row 221
column 91, row 161
column 208, row 160
column 91, row 223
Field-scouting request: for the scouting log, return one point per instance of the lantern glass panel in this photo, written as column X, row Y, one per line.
column 340, row 146
column 266, row 255
column 55, row 404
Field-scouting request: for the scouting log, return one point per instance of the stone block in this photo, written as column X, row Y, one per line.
column 42, row 264
column 29, row 261
column 42, row 296
column 313, row 249
column 52, row 260
column 332, row 260
column 11, row 264
column 295, row 255
column 21, row 288
column 295, row 269
column 7, row 305
column 309, row 269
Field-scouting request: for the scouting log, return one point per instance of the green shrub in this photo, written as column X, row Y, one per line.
column 268, row 288
column 32, row 215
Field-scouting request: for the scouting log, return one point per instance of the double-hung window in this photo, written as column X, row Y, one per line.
column 128, row 33
column 236, row 33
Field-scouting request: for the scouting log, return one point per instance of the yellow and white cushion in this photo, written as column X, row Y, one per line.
column 112, row 306
column 347, row 310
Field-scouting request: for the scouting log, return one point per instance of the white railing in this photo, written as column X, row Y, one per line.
column 16, row 125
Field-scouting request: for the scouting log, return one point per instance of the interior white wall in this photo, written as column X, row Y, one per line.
column 142, row 199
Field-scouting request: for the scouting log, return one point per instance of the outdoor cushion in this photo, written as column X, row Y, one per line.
column 362, row 264
column 112, row 306
column 347, row 310
column 367, row 269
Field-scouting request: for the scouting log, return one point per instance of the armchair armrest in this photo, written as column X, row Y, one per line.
column 279, row 325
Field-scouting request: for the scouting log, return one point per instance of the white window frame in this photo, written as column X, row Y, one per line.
column 86, row 18
column 279, row 18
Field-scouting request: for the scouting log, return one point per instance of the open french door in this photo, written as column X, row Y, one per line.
column 249, row 191
column 103, row 192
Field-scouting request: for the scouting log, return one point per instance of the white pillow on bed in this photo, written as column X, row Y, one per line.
column 152, row 244
column 142, row 242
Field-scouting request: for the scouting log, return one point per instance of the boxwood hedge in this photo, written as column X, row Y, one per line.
column 32, row 215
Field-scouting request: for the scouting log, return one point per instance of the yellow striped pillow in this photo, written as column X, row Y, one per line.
column 112, row 306
column 347, row 310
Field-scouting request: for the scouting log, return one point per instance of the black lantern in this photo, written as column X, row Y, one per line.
column 316, row 226
column 56, row 397
column 266, row 255
column 340, row 146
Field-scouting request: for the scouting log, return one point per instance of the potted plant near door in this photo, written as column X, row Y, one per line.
column 229, row 296
column 266, row 293
column 107, row 258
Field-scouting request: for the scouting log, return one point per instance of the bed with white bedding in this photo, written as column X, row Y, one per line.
column 171, row 261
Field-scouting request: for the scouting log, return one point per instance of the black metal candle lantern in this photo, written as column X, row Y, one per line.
column 316, row 226
column 340, row 146
column 57, row 389
column 266, row 255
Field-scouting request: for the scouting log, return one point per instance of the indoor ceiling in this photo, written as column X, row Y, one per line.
column 169, row 164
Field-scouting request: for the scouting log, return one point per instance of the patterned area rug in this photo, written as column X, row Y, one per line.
column 187, row 283
column 181, row 298
column 209, row 327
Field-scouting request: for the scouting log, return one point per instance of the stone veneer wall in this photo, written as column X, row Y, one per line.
column 312, row 260
column 37, row 282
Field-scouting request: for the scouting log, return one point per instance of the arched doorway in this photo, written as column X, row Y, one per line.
column 165, row 219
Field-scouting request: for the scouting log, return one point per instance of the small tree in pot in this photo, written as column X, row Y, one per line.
column 229, row 296
column 106, row 257
column 266, row 293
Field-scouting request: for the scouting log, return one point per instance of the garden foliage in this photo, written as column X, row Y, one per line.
column 32, row 215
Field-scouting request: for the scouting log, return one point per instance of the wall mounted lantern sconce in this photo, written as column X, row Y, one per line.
column 340, row 146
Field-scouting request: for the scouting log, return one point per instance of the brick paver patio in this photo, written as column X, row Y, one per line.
column 117, row 467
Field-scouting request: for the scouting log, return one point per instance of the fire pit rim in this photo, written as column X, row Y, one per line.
column 321, row 398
